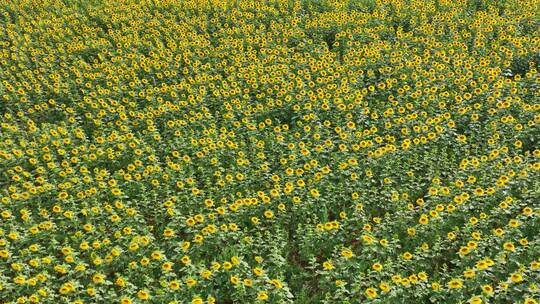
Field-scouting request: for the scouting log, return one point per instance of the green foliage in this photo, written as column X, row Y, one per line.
column 277, row 151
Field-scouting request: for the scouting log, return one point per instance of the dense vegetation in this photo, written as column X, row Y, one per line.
column 277, row 151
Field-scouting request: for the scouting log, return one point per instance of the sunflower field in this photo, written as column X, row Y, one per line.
column 269, row 151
